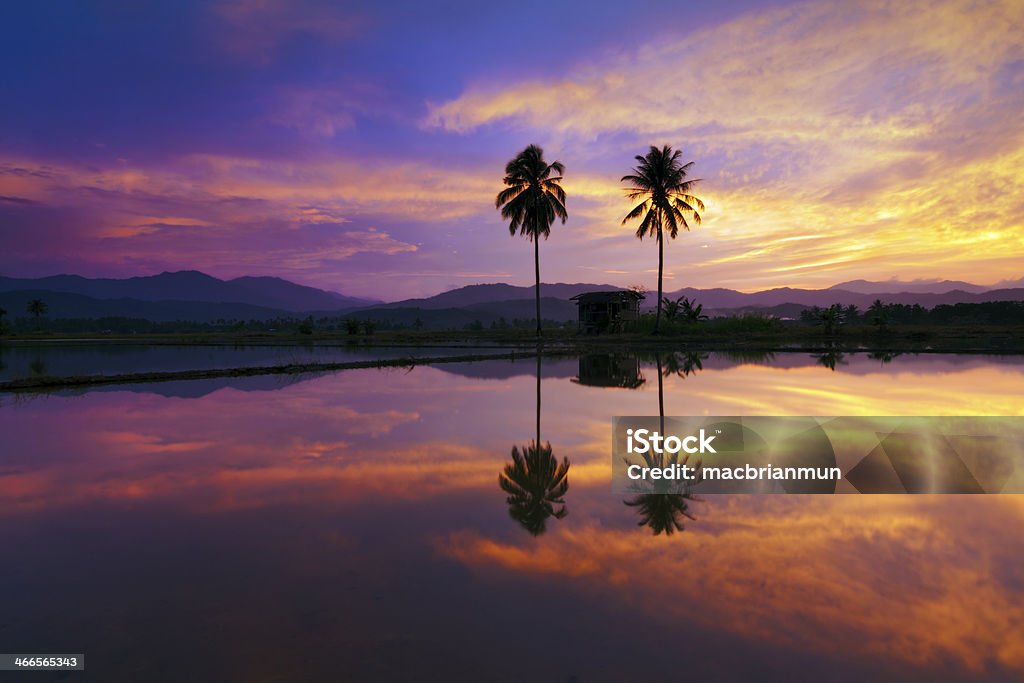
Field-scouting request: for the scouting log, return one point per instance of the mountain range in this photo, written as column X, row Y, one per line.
column 192, row 285
column 192, row 295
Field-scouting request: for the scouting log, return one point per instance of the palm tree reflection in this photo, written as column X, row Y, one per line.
column 683, row 364
column 830, row 359
column 536, row 484
column 664, row 504
column 662, row 512
column 535, row 481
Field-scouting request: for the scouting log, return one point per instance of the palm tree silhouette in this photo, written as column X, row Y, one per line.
column 662, row 507
column 659, row 179
column 532, row 200
column 830, row 359
column 536, row 483
column 37, row 307
column 662, row 512
column 684, row 364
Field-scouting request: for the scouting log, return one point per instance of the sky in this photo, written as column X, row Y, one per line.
column 358, row 146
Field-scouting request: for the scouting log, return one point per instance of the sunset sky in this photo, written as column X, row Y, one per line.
column 359, row 147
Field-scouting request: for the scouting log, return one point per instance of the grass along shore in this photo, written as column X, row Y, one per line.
column 714, row 335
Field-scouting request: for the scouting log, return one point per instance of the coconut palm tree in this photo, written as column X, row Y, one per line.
column 536, row 483
column 37, row 307
column 532, row 200
column 659, row 180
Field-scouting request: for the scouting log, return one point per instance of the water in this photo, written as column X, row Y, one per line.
column 350, row 527
column 69, row 359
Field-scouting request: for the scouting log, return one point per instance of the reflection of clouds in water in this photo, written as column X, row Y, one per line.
column 908, row 579
column 921, row 579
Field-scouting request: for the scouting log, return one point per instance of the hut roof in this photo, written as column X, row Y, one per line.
column 620, row 295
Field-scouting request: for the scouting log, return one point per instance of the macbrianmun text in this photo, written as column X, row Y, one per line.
column 702, row 473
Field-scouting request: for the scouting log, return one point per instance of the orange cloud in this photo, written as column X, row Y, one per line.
column 876, row 576
column 890, row 129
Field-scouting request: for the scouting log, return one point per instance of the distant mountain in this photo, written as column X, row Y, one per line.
column 195, row 296
column 915, row 286
column 63, row 305
column 729, row 301
column 487, row 293
column 485, row 313
column 191, row 285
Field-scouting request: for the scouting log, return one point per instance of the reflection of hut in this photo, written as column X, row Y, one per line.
column 600, row 311
column 609, row 370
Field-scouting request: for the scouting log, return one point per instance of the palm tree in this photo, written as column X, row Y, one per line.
column 532, row 200
column 671, row 307
column 536, row 483
column 831, row 317
column 37, row 307
column 663, row 505
column 659, row 179
column 692, row 311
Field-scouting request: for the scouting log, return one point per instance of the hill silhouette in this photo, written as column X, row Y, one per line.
column 195, row 296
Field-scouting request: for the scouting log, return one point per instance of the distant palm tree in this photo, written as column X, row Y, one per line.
column 877, row 313
column 532, row 200
column 831, row 318
column 671, row 307
column 37, row 307
column 692, row 311
column 659, row 179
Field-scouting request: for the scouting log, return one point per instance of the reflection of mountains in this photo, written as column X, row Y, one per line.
column 554, row 368
column 198, row 388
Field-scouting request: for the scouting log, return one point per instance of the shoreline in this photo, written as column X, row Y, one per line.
column 45, row 383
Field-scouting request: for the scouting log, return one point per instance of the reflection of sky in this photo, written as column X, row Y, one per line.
column 351, row 511
column 331, row 142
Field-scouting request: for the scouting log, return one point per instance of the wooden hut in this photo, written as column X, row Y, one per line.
column 606, row 311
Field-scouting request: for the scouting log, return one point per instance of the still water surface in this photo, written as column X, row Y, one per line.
column 351, row 527
column 69, row 359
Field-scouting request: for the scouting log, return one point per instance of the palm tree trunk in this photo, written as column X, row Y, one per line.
column 538, row 397
column 661, row 265
column 536, row 267
column 661, row 396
